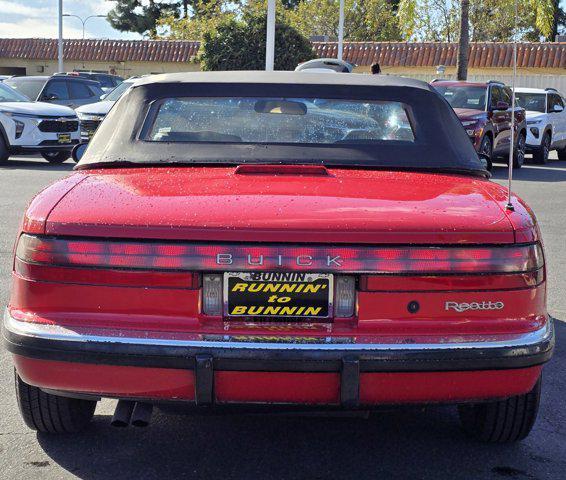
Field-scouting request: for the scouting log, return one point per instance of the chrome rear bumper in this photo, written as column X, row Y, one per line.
column 224, row 353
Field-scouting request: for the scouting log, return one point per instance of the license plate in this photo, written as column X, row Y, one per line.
column 63, row 138
column 281, row 295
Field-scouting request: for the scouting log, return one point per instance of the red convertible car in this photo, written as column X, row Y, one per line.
column 279, row 240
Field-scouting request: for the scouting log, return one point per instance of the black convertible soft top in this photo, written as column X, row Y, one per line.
column 440, row 141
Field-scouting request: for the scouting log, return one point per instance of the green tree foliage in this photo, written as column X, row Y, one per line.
column 559, row 20
column 139, row 16
column 144, row 16
column 437, row 20
column 239, row 44
column 367, row 20
column 193, row 27
column 290, row 4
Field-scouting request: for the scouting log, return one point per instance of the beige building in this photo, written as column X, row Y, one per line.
column 37, row 56
column 398, row 58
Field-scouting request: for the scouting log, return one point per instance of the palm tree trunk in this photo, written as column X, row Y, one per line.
column 464, row 42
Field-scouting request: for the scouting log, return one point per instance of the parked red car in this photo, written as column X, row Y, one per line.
column 485, row 112
column 280, row 239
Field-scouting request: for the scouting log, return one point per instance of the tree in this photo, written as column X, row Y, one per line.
column 208, row 18
column 463, row 41
column 558, row 21
column 428, row 20
column 489, row 20
column 239, row 44
column 364, row 21
column 140, row 17
column 144, row 17
column 290, row 4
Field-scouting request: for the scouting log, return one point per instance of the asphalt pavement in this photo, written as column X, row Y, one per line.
column 408, row 443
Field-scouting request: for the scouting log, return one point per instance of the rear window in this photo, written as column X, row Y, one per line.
column 266, row 120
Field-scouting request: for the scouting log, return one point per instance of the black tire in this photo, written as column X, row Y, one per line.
column 540, row 155
column 4, row 151
column 486, row 148
column 49, row 413
column 519, row 152
column 56, row 157
column 504, row 421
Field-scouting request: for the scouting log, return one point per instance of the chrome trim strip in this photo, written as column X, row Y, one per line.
column 521, row 344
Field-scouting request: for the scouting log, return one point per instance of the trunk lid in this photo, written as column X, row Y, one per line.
column 341, row 206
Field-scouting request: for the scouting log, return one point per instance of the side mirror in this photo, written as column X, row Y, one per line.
column 501, row 106
column 557, row 109
column 78, row 151
column 486, row 161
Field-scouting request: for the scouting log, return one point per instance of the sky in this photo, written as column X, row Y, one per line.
column 38, row 19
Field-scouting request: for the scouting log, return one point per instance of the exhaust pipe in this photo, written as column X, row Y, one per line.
column 122, row 414
column 142, row 414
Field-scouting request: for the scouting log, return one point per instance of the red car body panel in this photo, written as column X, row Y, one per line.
column 177, row 310
column 341, row 206
column 280, row 387
column 42, row 204
column 345, row 206
column 468, row 112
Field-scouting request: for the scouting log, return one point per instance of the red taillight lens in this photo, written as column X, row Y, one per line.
column 42, row 259
column 150, row 256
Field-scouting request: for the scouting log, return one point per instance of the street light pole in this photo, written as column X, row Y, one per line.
column 83, row 21
column 60, row 40
column 270, row 40
column 341, row 31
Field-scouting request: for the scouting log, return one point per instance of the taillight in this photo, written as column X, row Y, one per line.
column 43, row 259
column 149, row 255
column 178, row 265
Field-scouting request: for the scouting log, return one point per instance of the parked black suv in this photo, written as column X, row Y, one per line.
column 485, row 112
column 72, row 91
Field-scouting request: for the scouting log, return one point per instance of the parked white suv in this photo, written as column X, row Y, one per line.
column 35, row 127
column 546, row 122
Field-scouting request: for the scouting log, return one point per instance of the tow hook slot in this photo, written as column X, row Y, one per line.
column 350, row 382
column 204, row 380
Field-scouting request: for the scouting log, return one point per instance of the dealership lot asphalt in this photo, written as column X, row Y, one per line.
column 398, row 444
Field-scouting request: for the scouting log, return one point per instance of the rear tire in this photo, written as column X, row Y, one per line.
column 56, row 157
column 519, row 153
column 486, row 147
column 540, row 155
column 49, row 413
column 504, row 421
column 4, row 151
